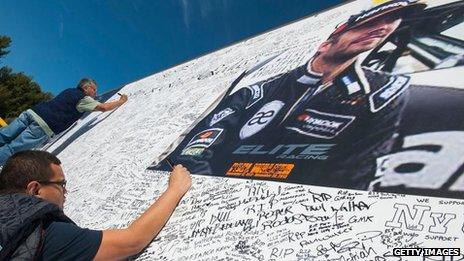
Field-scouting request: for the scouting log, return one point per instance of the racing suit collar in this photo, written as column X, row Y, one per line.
column 309, row 77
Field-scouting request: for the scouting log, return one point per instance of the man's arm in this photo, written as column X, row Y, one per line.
column 108, row 106
column 122, row 243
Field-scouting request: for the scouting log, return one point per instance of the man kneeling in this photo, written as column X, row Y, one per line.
column 33, row 225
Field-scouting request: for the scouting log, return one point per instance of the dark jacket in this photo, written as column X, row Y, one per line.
column 22, row 221
column 60, row 112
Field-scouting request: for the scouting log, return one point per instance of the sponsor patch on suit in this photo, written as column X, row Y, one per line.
column 261, row 119
column 205, row 138
column 217, row 117
column 320, row 124
column 383, row 96
column 256, row 94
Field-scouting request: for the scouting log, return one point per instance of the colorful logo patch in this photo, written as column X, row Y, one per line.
column 192, row 151
column 204, row 139
column 351, row 86
column 260, row 170
column 320, row 124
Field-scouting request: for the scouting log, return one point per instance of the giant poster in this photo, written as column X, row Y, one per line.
column 378, row 105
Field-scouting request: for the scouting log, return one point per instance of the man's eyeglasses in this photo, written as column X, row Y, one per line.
column 61, row 183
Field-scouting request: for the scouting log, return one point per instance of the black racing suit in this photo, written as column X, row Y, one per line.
column 332, row 133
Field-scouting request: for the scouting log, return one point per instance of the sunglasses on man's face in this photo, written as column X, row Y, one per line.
column 61, row 183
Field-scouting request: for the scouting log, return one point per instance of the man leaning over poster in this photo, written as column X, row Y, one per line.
column 323, row 123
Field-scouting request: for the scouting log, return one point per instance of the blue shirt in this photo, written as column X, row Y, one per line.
column 66, row 241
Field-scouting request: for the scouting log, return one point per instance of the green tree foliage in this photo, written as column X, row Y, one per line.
column 17, row 91
column 4, row 43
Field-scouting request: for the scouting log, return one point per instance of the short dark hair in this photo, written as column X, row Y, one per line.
column 84, row 82
column 24, row 167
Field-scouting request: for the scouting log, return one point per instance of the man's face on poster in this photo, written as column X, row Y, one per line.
column 361, row 38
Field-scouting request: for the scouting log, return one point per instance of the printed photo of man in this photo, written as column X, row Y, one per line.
column 323, row 123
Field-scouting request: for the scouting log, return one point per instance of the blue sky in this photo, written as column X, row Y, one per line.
column 117, row 42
